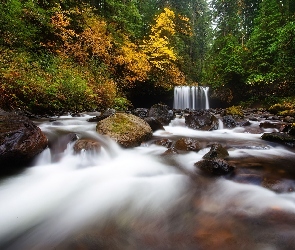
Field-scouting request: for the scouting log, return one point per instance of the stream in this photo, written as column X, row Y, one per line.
column 139, row 199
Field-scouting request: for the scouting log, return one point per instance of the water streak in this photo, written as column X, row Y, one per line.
column 191, row 97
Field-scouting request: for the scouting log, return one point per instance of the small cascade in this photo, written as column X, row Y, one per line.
column 191, row 97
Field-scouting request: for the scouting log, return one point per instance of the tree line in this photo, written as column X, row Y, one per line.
column 88, row 54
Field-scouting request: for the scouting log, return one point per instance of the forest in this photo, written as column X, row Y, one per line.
column 87, row 55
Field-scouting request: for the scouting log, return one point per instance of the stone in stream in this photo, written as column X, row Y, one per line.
column 278, row 137
column 187, row 144
column 126, row 129
column 88, row 145
column 20, row 140
column 216, row 151
column 229, row 121
column 164, row 142
column 215, row 166
column 201, row 120
column 154, row 123
column 161, row 113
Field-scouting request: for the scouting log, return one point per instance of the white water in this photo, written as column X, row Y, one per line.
column 191, row 97
column 49, row 202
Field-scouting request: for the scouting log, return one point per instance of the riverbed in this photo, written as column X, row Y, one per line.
column 141, row 199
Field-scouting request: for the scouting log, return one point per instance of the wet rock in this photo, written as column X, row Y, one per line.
column 106, row 114
column 253, row 118
column 215, row 166
column 141, row 112
column 162, row 113
column 126, row 129
column 278, row 137
column 201, row 120
column 59, row 145
column 216, row 151
column 164, row 142
column 170, row 151
column 87, row 145
column 20, row 140
column 229, row 121
column 245, row 123
column 279, row 185
column 154, row 123
column 187, row 144
column 270, row 125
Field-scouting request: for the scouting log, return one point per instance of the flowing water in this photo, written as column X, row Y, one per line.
column 139, row 199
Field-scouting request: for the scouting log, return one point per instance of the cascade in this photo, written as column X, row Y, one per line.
column 191, row 97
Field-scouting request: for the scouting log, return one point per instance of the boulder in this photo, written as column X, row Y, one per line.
column 229, row 121
column 141, row 112
column 88, row 145
column 216, row 151
column 215, row 166
column 279, row 137
column 20, row 140
column 202, row 120
column 126, row 129
column 154, row 123
column 162, row 113
column 187, row 144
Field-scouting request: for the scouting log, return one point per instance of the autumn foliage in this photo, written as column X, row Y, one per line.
column 83, row 63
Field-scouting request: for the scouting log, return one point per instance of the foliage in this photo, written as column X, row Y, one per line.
column 235, row 111
column 284, row 108
column 121, row 104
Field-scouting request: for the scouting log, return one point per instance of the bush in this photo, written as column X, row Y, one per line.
column 121, row 104
column 235, row 111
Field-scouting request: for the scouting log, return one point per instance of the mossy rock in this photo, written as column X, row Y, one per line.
column 278, row 137
column 126, row 129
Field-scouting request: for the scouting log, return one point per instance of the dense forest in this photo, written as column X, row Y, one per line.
column 82, row 55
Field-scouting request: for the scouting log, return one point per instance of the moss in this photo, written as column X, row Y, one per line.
column 235, row 111
column 121, row 124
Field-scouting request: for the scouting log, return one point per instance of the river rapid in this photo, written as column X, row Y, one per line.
column 139, row 199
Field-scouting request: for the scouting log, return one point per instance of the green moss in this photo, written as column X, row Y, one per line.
column 121, row 124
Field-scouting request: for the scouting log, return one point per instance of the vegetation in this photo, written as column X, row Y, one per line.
column 83, row 55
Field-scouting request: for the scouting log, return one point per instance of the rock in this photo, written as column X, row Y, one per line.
column 126, row 129
column 201, row 119
column 270, row 125
column 278, row 137
column 59, row 145
column 216, row 151
column 141, row 112
column 245, row 123
column 187, row 144
column 20, row 140
column 215, row 166
column 88, row 145
column 154, row 123
column 170, row 151
column 164, row 142
column 162, row 113
column 229, row 121
column 104, row 115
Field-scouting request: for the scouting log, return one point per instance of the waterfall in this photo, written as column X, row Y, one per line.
column 191, row 97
